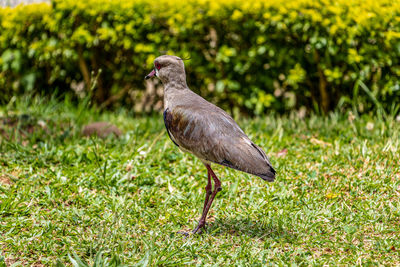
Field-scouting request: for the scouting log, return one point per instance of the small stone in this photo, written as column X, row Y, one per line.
column 101, row 129
column 351, row 117
column 129, row 166
column 42, row 124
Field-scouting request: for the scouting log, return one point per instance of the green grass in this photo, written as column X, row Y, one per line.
column 65, row 198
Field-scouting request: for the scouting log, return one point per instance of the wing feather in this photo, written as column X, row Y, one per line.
column 212, row 135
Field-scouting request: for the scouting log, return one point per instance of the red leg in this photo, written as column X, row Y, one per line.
column 208, row 189
column 217, row 188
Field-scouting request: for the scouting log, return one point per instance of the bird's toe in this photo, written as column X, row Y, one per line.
column 199, row 228
column 184, row 233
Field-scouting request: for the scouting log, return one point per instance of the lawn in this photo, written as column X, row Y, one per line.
column 66, row 198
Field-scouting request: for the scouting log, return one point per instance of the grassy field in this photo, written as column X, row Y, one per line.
column 65, row 198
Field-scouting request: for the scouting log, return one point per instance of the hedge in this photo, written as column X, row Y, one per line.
column 253, row 55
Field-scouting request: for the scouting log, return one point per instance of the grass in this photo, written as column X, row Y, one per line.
column 66, row 199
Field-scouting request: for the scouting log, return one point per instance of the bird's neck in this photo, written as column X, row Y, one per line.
column 175, row 82
column 173, row 91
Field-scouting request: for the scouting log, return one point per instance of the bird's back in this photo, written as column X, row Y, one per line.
column 205, row 130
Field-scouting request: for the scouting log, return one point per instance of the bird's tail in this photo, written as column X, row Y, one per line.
column 269, row 175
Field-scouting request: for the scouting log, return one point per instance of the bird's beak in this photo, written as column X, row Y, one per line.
column 151, row 74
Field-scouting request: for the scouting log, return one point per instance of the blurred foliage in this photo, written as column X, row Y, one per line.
column 246, row 55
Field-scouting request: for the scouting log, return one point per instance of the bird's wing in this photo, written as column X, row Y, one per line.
column 212, row 135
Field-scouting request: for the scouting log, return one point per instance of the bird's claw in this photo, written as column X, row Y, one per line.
column 185, row 234
column 196, row 230
column 199, row 228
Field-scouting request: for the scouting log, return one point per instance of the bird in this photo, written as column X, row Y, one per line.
column 206, row 131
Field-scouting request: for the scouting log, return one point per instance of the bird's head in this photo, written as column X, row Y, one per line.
column 168, row 68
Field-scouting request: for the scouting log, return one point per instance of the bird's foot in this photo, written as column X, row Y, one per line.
column 184, row 233
column 199, row 228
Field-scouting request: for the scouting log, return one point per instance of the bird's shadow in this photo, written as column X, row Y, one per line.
column 253, row 229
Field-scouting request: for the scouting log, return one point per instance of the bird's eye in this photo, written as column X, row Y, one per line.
column 157, row 65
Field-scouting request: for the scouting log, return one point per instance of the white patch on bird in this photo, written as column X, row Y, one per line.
column 247, row 140
column 156, row 72
column 226, row 119
column 188, row 126
column 211, row 127
column 172, row 137
column 195, row 131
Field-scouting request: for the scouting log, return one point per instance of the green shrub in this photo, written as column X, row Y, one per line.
column 251, row 55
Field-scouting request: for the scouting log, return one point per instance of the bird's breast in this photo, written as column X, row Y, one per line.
column 168, row 122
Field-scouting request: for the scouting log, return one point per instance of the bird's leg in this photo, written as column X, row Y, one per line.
column 217, row 188
column 208, row 189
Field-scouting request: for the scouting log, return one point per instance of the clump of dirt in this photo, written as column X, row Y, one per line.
column 101, row 129
column 5, row 180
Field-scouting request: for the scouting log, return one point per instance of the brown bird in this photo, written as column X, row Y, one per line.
column 203, row 129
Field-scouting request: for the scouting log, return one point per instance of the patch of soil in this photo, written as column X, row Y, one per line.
column 5, row 180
